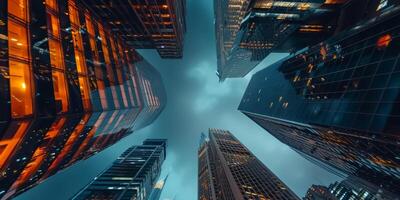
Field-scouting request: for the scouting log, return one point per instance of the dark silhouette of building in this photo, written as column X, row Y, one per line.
column 132, row 176
column 336, row 103
column 156, row 24
column 69, row 87
column 228, row 170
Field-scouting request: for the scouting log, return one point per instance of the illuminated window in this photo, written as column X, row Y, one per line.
column 60, row 90
column 79, row 56
column 73, row 14
column 80, row 62
column 54, row 27
column 84, row 87
column 18, row 40
column 384, row 41
column 52, row 4
column 56, row 57
column 18, row 8
column 21, row 98
column 20, row 81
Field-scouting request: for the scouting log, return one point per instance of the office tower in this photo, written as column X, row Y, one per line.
column 319, row 192
column 132, row 176
column 248, row 30
column 228, row 170
column 336, row 103
column 157, row 189
column 348, row 189
column 156, row 24
column 69, row 87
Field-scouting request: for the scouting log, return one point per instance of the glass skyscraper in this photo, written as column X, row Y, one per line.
column 248, row 30
column 132, row 176
column 143, row 24
column 69, row 87
column 228, row 170
column 337, row 102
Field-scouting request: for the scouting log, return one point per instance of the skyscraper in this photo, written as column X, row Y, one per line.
column 248, row 30
column 336, row 103
column 69, row 87
column 132, row 176
column 156, row 24
column 228, row 170
column 348, row 189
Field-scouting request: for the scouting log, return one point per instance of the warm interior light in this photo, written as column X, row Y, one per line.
column 384, row 41
column 23, row 86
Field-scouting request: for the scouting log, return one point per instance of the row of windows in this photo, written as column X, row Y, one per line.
column 95, row 79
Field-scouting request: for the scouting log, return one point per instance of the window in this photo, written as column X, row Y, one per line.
column 56, row 58
column 84, row 87
column 79, row 56
column 18, row 40
column 54, row 26
column 52, row 4
column 20, row 81
column 18, row 8
column 60, row 91
column 21, row 99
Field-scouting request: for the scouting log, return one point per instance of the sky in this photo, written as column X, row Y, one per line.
column 196, row 102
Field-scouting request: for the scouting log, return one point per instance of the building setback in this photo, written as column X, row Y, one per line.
column 228, row 170
column 132, row 176
column 336, row 103
column 155, row 24
column 69, row 87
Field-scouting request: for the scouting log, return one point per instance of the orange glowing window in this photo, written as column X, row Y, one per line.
column 60, row 91
column 21, row 98
column 335, row 1
column 89, row 25
column 52, row 4
column 18, row 40
column 54, row 27
column 84, row 88
column 80, row 62
column 18, row 8
column 384, row 41
column 73, row 14
column 56, row 58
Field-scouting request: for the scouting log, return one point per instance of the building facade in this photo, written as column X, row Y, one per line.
column 69, row 87
column 349, row 189
column 336, row 103
column 132, row 176
column 319, row 192
column 249, row 30
column 228, row 170
column 156, row 24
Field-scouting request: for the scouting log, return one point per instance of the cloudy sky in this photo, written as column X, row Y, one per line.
column 196, row 102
